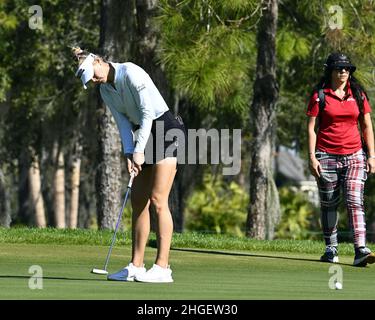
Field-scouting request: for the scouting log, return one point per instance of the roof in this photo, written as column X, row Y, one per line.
column 291, row 166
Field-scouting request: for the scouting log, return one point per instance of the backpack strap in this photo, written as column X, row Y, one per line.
column 322, row 100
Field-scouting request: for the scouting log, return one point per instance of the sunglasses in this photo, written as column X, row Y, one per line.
column 338, row 68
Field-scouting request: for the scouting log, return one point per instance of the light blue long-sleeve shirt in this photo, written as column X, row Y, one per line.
column 135, row 101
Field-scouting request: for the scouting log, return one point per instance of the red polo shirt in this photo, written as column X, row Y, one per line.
column 338, row 124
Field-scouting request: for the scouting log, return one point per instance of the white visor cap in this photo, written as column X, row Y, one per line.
column 86, row 69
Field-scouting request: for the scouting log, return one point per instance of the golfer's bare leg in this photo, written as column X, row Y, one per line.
column 164, row 173
column 140, row 199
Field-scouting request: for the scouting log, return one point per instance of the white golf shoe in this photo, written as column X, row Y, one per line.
column 156, row 274
column 127, row 274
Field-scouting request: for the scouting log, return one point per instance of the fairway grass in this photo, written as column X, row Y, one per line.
column 199, row 274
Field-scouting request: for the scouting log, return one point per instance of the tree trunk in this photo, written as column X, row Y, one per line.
column 74, row 183
column 116, row 39
column 263, row 198
column 147, row 38
column 59, row 189
column 5, row 218
column 37, row 201
column 117, row 29
column 87, row 206
column 24, row 212
column 108, row 176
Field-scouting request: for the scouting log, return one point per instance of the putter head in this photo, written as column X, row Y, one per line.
column 99, row 271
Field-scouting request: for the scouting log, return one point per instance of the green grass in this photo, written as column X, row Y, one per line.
column 205, row 267
column 185, row 240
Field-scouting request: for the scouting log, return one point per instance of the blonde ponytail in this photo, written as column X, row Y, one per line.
column 79, row 54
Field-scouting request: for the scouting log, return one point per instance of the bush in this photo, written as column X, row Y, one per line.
column 299, row 217
column 217, row 207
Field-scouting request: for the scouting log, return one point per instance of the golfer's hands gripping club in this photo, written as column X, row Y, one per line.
column 132, row 176
column 134, row 162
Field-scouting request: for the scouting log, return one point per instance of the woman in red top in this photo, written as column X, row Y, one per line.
column 337, row 158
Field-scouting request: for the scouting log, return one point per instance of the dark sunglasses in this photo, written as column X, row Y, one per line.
column 339, row 68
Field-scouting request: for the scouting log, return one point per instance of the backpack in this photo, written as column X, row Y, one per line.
column 322, row 104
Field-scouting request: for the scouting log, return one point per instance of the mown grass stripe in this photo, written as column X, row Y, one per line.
column 180, row 240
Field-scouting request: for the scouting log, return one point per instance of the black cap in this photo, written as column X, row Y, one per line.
column 337, row 59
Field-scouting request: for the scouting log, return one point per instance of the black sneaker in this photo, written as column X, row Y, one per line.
column 363, row 256
column 330, row 255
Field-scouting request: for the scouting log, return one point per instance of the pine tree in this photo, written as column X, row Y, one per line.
column 264, row 211
column 116, row 32
column 207, row 50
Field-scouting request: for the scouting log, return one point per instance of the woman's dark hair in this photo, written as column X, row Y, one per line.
column 357, row 89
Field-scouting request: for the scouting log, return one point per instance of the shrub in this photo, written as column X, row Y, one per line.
column 299, row 217
column 217, row 207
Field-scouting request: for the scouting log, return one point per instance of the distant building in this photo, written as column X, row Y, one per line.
column 291, row 170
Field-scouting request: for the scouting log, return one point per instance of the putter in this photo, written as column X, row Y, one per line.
column 104, row 270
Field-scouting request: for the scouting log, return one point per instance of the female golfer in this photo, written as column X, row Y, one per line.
column 135, row 102
column 337, row 156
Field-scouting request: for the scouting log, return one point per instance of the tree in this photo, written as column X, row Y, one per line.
column 147, row 35
column 36, row 193
column 59, row 187
column 44, row 106
column 206, row 49
column 8, row 23
column 75, row 175
column 264, row 202
column 5, row 215
column 116, row 35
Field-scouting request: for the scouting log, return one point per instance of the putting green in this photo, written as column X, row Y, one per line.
column 198, row 274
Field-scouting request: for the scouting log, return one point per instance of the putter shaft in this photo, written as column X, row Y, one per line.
column 119, row 220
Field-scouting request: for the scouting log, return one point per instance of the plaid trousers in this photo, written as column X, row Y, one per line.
column 346, row 172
